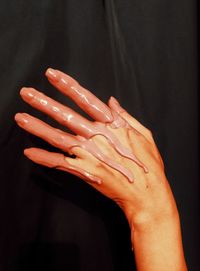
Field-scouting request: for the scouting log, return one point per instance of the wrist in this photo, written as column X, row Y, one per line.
column 159, row 244
column 150, row 221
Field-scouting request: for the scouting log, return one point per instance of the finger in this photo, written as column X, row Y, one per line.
column 59, row 161
column 63, row 114
column 66, row 141
column 55, row 137
column 86, row 100
column 114, row 105
column 72, row 120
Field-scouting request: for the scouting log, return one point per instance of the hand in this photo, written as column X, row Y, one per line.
column 115, row 154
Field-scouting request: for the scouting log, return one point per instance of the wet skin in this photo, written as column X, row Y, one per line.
column 116, row 155
column 106, row 120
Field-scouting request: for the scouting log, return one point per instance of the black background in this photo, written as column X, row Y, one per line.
column 145, row 53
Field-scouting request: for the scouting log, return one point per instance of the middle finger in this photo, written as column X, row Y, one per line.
column 85, row 99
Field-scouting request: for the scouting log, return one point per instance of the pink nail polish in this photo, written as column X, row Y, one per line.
column 20, row 119
column 115, row 105
column 26, row 92
column 52, row 74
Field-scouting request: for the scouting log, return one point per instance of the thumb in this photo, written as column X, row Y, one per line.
column 114, row 105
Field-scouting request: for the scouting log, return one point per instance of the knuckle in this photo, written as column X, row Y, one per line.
column 58, row 140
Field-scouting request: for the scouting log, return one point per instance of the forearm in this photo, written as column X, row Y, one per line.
column 158, row 246
column 109, row 154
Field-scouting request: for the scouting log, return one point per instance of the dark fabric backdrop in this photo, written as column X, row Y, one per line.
column 145, row 53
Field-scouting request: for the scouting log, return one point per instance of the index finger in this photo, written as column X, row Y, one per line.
column 87, row 101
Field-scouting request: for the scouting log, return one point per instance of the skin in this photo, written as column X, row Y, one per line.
column 116, row 155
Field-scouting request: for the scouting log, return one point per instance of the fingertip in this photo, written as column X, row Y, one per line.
column 20, row 118
column 113, row 99
column 114, row 104
column 23, row 90
column 52, row 74
column 48, row 70
column 27, row 152
column 34, row 154
column 27, row 93
column 110, row 100
column 17, row 117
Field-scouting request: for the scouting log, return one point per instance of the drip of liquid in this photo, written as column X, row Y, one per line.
column 84, row 128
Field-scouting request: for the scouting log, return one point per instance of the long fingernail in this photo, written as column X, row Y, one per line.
column 20, row 119
column 52, row 74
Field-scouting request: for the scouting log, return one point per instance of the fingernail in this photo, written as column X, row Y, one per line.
column 114, row 100
column 27, row 152
column 52, row 74
column 116, row 105
column 20, row 119
column 27, row 93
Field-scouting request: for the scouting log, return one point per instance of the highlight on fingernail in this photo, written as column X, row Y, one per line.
column 20, row 118
column 27, row 93
column 52, row 74
column 27, row 152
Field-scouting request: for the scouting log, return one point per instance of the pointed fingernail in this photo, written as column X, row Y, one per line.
column 52, row 74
